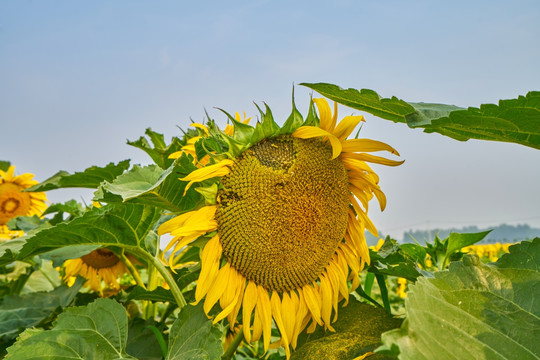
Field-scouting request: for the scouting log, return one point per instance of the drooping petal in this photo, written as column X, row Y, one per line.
column 308, row 132
column 217, row 170
column 372, row 159
column 250, row 299
column 367, row 145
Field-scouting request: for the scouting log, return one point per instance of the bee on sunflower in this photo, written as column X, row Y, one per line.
column 284, row 218
column 16, row 202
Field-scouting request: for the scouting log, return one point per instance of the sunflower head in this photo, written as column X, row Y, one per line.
column 14, row 201
column 102, row 268
column 284, row 216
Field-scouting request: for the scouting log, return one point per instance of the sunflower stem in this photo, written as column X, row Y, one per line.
column 238, row 338
column 132, row 269
column 175, row 290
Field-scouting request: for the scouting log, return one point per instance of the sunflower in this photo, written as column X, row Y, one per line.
column 285, row 229
column 15, row 202
column 99, row 267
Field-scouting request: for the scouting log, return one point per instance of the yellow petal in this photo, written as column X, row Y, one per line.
column 250, row 299
column 276, row 313
column 346, row 126
column 325, row 114
column 308, row 132
column 367, row 145
column 202, row 127
column 217, row 288
column 209, row 267
column 326, row 300
column 372, row 159
column 208, row 172
column 312, row 302
column 264, row 309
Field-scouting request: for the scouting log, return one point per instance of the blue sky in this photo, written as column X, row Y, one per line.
column 77, row 79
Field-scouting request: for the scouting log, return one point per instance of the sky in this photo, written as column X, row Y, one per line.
column 79, row 79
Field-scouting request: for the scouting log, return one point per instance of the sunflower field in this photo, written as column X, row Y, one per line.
column 248, row 242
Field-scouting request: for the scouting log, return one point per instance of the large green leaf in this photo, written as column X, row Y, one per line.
column 142, row 342
column 158, row 151
column 123, row 225
column 20, row 312
column 358, row 331
column 473, row 311
column 89, row 178
column 514, row 120
column 94, row 332
column 150, row 185
column 193, row 337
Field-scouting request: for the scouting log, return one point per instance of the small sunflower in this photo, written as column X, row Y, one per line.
column 15, row 202
column 285, row 228
column 99, row 267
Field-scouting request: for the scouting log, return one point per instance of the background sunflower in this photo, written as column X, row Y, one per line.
column 16, row 202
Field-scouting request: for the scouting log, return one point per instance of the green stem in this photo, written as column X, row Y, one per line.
column 175, row 290
column 132, row 269
column 233, row 346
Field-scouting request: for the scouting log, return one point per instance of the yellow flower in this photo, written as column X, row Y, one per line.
column 99, row 267
column 14, row 202
column 286, row 232
column 402, row 285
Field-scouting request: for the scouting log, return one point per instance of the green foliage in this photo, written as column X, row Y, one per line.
column 89, row 178
column 142, row 342
column 514, row 120
column 4, row 165
column 112, row 225
column 192, row 336
column 358, row 331
column 23, row 311
column 366, row 100
column 150, row 185
column 491, row 311
column 94, row 332
column 158, row 151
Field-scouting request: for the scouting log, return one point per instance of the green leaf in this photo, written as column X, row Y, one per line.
column 45, row 278
column 456, row 241
column 366, row 100
column 97, row 331
column 192, row 336
column 124, row 225
column 59, row 255
column 23, row 311
column 142, row 342
column 524, row 255
column 514, row 120
column 159, row 151
column 425, row 112
column 358, row 330
column 491, row 312
column 26, row 223
column 158, row 294
column 89, row 178
column 150, row 185
column 4, row 165
column 9, row 250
